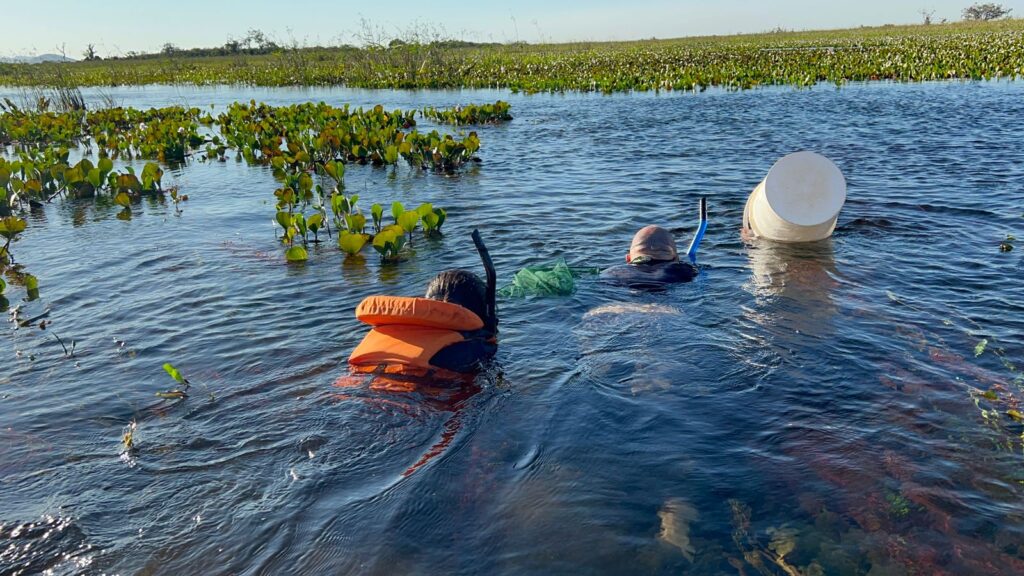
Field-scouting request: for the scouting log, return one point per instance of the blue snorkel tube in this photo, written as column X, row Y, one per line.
column 692, row 252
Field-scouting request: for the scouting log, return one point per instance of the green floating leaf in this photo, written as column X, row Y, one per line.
column 174, row 373
column 1015, row 414
column 990, row 395
column 3, row 285
column 980, row 348
column 31, row 283
column 123, row 199
column 296, row 254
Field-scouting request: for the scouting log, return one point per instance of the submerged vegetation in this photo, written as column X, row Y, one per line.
column 967, row 50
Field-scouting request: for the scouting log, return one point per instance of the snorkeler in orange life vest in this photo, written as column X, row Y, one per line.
column 447, row 334
column 653, row 260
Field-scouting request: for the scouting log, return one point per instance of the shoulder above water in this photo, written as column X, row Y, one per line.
column 650, row 276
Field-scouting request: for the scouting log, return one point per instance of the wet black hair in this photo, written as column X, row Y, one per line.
column 460, row 287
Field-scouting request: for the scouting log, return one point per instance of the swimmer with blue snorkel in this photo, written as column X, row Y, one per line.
column 653, row 260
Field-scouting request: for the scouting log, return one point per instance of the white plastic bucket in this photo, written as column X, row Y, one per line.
column 798, row 201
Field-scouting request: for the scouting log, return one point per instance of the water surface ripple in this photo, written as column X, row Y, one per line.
column 812, row 402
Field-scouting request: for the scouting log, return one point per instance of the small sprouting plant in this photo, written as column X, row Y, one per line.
column 125, row 202
column 377, row 212
column 432, row 218
column 10, row 228
column 408, row 220
column 356, row 223
column 389, row 243
column 314, row 223
column 177, row 198
column 180, row 391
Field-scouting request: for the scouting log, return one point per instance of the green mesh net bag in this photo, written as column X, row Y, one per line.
column 553, row 279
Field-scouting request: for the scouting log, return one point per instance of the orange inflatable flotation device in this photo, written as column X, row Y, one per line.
column 408, row 332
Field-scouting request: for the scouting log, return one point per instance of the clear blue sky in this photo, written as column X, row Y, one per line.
column 119, row 26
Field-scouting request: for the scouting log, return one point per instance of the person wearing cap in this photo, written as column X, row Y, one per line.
column 652, row 262
column 653, row 259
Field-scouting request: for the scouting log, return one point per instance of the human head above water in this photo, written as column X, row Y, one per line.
column 654, row 243
column 460, row 287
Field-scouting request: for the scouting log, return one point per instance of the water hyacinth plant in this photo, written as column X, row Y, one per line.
column 300, row 143
column 496, row 113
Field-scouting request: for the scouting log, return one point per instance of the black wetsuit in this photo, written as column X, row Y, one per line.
column 650, row 275
column 465, row 357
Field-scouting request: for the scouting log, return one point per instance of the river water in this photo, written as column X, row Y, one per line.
column 811, row 410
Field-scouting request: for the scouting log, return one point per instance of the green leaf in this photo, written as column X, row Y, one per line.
column 151, row 176
column 284, row 219
column 356, row 222
column 424, row 209
column 123, row 199
column 129, row 182
column 1015, row 414
column 990, row 395
column 95, row 177
column 315, row 221
column 980, row 348
column 31, row 283
column 299, row 221
column 305, row 182
column 335, row 170
column 296, row 254
column 351, row 243
column 174, row 373
column 105, row 165
column 3, row 285
column 396, row 210
column 11, row 226
column 408, row 220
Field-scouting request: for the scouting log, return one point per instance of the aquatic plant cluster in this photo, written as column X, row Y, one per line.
column 911, row 53
column 306, row 140
column 462, row 115
column 299, row 142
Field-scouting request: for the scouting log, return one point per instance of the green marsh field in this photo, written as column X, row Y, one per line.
column 974, row 50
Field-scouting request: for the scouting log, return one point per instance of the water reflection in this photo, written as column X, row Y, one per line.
column 793, row 285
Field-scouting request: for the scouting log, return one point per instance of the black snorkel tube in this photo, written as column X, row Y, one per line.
column 699, row 235
column 491, row 319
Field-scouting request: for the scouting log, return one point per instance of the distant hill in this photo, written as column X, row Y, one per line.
column 36, row 59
